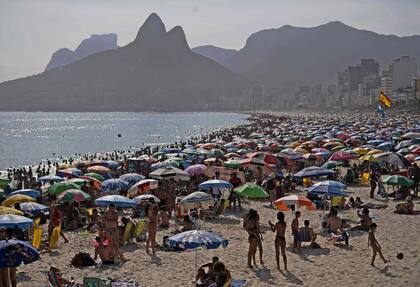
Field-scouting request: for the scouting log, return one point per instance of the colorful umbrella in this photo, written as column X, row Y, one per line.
column 143, row 186
column 69, row 172
column 33, row 208
column 98, row 169
column 117, row 200
column 342, row 155
column 60, row 187
column 146, row 198
column 296, row 200
column 18, row 198
column 332, row 164
column 132, row 178
column 95, row 175
column 15, row 252
column 9, row 210
column 196, row 169
column 48, row 178
column 215, row 184
column 313, row 171
column 328, row 190
column 114, row 185
column 197, row 238
column 71, row 195
column 29, row 192
column 169, row 172
column 333, row 183
column 196, row 199
column 251, row 190
column 11, row 221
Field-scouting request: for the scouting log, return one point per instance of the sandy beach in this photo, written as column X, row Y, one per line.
column 328, row 266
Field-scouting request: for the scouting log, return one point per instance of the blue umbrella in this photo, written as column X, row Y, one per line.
column 114, row 185
column 13, row 221
column 15, row 252
column 29, row 192
column 215, row 184
column 326, row 190
column 197, row 238
column 48, row 178
column 132, row 178
column 33, row 208
column 331, row 183
column 313, row 171
column 375, row 142
column 170, row 150
column 117, row 200
column 386, row 146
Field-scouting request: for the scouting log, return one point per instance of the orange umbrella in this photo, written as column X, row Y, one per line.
column 98, row 169
column 296, row 200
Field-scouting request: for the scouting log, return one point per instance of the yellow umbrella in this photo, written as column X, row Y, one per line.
column 301, row 150
column 9, row 210
column 294, row 144
column 369, row 157
column 361, row 150
column 18, row 198
column 374, row 151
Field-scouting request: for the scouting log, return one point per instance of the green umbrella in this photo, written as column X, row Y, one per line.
column 59, row 187
column 71, row 195
column 337, row 148
column 332, row 164
column 397, row 180
column 251, row 190
column 4, row 182
column 2, row 197
column 232, row 163
column 159, row 155
column 95, row 176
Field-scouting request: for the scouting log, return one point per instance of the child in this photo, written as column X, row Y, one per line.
column 376, row 247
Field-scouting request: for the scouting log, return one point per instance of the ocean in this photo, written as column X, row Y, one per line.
column 30, row 137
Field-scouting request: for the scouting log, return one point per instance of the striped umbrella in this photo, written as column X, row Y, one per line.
column 114, row 184
column 71, row 195
column 298, row 201
column 18, row 198
column 29, row 192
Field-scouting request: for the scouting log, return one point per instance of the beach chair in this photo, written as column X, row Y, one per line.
column 55, row 279
column 96, row 282
column 139, row 229
column 336, row 201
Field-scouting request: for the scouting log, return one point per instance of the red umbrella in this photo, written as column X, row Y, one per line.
column 342, row 155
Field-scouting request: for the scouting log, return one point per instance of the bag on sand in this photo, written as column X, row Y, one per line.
column 82, row 259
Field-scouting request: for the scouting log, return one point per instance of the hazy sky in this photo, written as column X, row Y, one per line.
column 31, row 30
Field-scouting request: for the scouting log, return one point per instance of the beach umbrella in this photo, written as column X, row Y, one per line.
column 375, row 142
column 386, row 146
column 197, row 238
column 369, row 157
column 160, row 155
column 313, row 171
column 170, row 150
column 173, row 161
column 69, row 172
column 96, row 183
column 18, row 198
column 215, row 184
column 33, row 208
column 15, row 252
column 72, row 195
column 196, row 199
column 374, row 151
column 11, row 221
column 320, row 149
column 251, row 190
column 338, row 148
column 296, row 200
column 232, row 163
column 331, row 183
column 29, row 192
column 343, row 155
column 48, row 178
column 4, row 182
column 327, row 190
column 392, row 158
column 117, row 200
column 114, row 185
column 397, row 180
column 132, row 178
column 98, row 169
column 59, row 187
column 264, row 156
column 361, row 150
column 218, row 153
column 196, row 169
column 143, row 186
column 95, row 175
column 252, row 161
column 9, row 210
column 331, row 164
column 146, row 198
column 411, row 135
column 169, row 172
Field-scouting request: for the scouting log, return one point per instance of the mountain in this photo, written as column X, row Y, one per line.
column 292, row 55
column 92, row 45
column 157, row 71
column 220, row 55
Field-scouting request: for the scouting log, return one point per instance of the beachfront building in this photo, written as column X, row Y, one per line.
column 386, row 85
column 404, row 70
column 416, row 88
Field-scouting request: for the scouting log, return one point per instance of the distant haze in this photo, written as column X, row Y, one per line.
column 31, row 31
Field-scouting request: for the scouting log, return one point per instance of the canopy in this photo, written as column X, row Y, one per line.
column 71, row 195
column 251, row 190
column 146, row 197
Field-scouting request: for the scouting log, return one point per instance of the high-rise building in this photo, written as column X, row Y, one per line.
column 360, row 71
column 416, row 88
column 386, row 85
column 404, row 69
column 343, row 92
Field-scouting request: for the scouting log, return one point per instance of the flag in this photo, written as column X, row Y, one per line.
column 381, row 111
column 384, row 100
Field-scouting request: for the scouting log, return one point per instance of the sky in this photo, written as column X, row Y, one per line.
column 32, row 30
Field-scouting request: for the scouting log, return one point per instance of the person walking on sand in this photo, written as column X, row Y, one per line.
column 151, row 214
column 376, row 247
column 280, row 241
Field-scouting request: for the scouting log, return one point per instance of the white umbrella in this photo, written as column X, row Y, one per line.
column 146, row 197
column 197, row 199
column 169, row 172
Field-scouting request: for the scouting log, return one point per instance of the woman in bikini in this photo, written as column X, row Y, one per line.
column 151, row 214
column 253, row 228
column 280, row 241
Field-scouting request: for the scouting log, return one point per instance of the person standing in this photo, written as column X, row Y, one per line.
column 151, row 214
column 280, row 241
column 295, row 231
column 373, row 180
column 110, row 220
column 252, row 226
column 233, row 197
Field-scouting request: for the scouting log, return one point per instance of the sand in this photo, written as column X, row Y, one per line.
column 332, row 265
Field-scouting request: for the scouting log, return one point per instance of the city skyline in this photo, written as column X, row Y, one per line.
column 26, row 45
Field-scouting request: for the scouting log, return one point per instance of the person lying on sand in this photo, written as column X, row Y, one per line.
column 376, row 247
column 405, row 207
column 358, row 203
